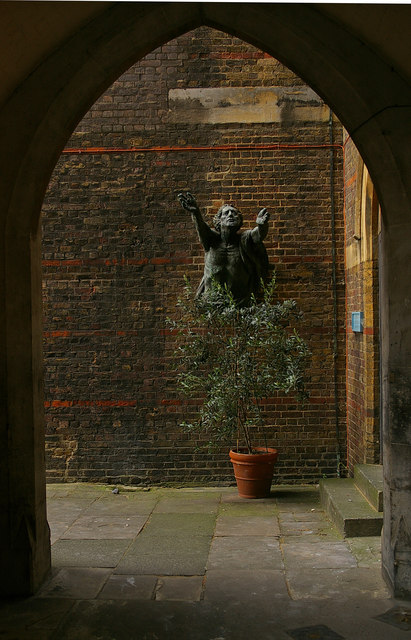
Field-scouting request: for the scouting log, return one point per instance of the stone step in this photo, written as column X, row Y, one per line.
column 348, row 509
column 369, row 480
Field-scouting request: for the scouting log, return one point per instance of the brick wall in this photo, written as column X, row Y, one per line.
column 362, row 296
column 117, row 245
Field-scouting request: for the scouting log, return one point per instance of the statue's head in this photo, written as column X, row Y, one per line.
column 228, row 216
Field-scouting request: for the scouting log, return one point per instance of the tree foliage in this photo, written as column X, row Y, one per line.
column 232, row 357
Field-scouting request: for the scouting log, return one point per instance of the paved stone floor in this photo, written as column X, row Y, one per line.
column 203, row 564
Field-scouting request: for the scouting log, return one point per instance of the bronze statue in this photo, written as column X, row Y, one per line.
column 236, row 260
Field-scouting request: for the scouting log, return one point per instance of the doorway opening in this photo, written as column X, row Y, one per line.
column 211, row 114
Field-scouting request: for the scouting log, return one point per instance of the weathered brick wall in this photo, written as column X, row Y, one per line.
column 117, row 245
column 362, row 296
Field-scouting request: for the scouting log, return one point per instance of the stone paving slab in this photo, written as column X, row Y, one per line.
column 58, row 491
column 321, row 536
column 399, row 617
column 123, row 620
column 245, row 585
column 57, row 531
column 232, row 497
column 81, row 489
column 301, row 528
column 148, row 545
column 179, row 588
column 296, row 493
column 170, row 564
column 318, row 631
column 33, row 633
column 129, row 587
column 228, row 525
column 165, row 620
column 76, row 583
column 236, row 552
column 123, row 505
column 243, row 508
column 335, row 583
column 88, row 553
column 189, row 504
column 297, row 508
column 367, row 550
column 306, row 531
column 32, row 616
column 65, row 512
column 352, row 617
column 296, row 499
column 180, row 524
column 104, row 527
column 307, row 515
column 317, row 555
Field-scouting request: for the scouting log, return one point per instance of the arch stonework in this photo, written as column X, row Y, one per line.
column 345, row 59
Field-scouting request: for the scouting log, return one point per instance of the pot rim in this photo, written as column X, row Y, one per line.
column 261, row 453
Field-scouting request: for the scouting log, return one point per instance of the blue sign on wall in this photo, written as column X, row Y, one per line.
column 357, row 321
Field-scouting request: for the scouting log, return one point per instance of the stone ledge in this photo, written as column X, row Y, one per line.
column 348, row 509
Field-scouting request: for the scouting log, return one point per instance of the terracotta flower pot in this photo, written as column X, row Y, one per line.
column 254, row 471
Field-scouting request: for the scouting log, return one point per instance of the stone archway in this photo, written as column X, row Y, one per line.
column 369, row 93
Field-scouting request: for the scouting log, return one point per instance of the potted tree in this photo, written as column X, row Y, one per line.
column 231, row 357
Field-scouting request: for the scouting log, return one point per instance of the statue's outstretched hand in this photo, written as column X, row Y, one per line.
column 263, row 216
column 188, row 201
